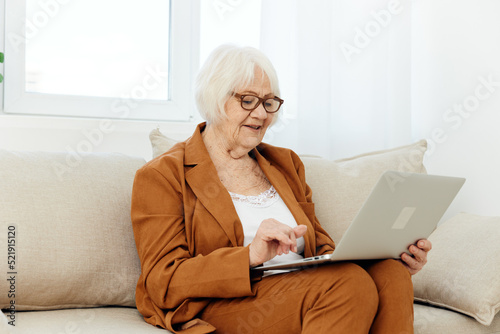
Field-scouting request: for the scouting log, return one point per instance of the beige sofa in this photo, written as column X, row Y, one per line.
column 72, row 264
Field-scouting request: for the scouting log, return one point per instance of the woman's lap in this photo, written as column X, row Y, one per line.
column 340, row 296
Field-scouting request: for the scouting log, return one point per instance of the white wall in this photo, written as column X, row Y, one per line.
column 76, row 136
column 456, row 48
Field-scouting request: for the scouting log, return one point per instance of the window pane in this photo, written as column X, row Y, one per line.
column 102, row 48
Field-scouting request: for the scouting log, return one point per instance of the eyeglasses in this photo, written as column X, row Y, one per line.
column 251, row 102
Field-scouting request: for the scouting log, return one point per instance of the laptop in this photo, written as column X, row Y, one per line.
column 401, row 209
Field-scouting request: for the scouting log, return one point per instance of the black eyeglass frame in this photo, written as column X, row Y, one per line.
column 261, row 100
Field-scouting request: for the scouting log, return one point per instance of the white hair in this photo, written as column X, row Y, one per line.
column 228, row 69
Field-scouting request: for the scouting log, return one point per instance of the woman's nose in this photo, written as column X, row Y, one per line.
column 259, row 112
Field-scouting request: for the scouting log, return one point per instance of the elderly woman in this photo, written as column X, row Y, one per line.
column 222, row 202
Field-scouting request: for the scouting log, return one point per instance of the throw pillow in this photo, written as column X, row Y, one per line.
column 160, row 143
column 463, row 268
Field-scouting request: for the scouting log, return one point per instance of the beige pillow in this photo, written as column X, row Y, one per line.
column 160, row 143
column 74, row 244
column 341, row 187
column 463, row 268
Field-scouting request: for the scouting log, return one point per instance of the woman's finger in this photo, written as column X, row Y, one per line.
column 412, row 263
column 282, row 240
column 300, row 231
column 419, row 254
column 424, row 244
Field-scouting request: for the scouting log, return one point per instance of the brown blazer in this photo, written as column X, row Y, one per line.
column 189, row 237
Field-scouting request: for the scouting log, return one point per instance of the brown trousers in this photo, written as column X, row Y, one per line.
column 367, row 297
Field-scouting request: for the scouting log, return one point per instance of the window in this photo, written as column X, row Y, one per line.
column 100, row 58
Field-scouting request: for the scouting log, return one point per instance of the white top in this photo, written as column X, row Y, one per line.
column 252, row 210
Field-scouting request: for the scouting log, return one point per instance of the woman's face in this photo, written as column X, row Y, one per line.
column 243, row 129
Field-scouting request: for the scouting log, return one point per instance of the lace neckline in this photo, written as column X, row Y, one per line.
column 264, row 199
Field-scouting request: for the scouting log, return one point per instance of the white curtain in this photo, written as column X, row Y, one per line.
column 345, row 74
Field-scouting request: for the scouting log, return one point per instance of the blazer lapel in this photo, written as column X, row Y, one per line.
column 203, row 179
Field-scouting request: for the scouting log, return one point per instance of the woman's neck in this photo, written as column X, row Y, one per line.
column 236, row 169
column 222, row 151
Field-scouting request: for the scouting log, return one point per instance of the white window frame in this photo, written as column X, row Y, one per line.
column 184, row 32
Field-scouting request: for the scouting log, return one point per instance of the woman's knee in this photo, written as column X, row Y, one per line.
column 353, row 286
column 391, row 274
column 361, row 286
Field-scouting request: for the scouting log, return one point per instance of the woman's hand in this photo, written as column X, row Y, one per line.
column 416, row 262
column 274, row 238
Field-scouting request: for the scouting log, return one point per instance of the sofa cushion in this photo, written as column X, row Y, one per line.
column 341, row 187
column 435, row 320
column 109, row 320
column 463, row 269
column 101, row 320
column 74, row 245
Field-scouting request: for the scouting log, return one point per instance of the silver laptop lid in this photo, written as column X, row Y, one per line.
column 401, row 209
